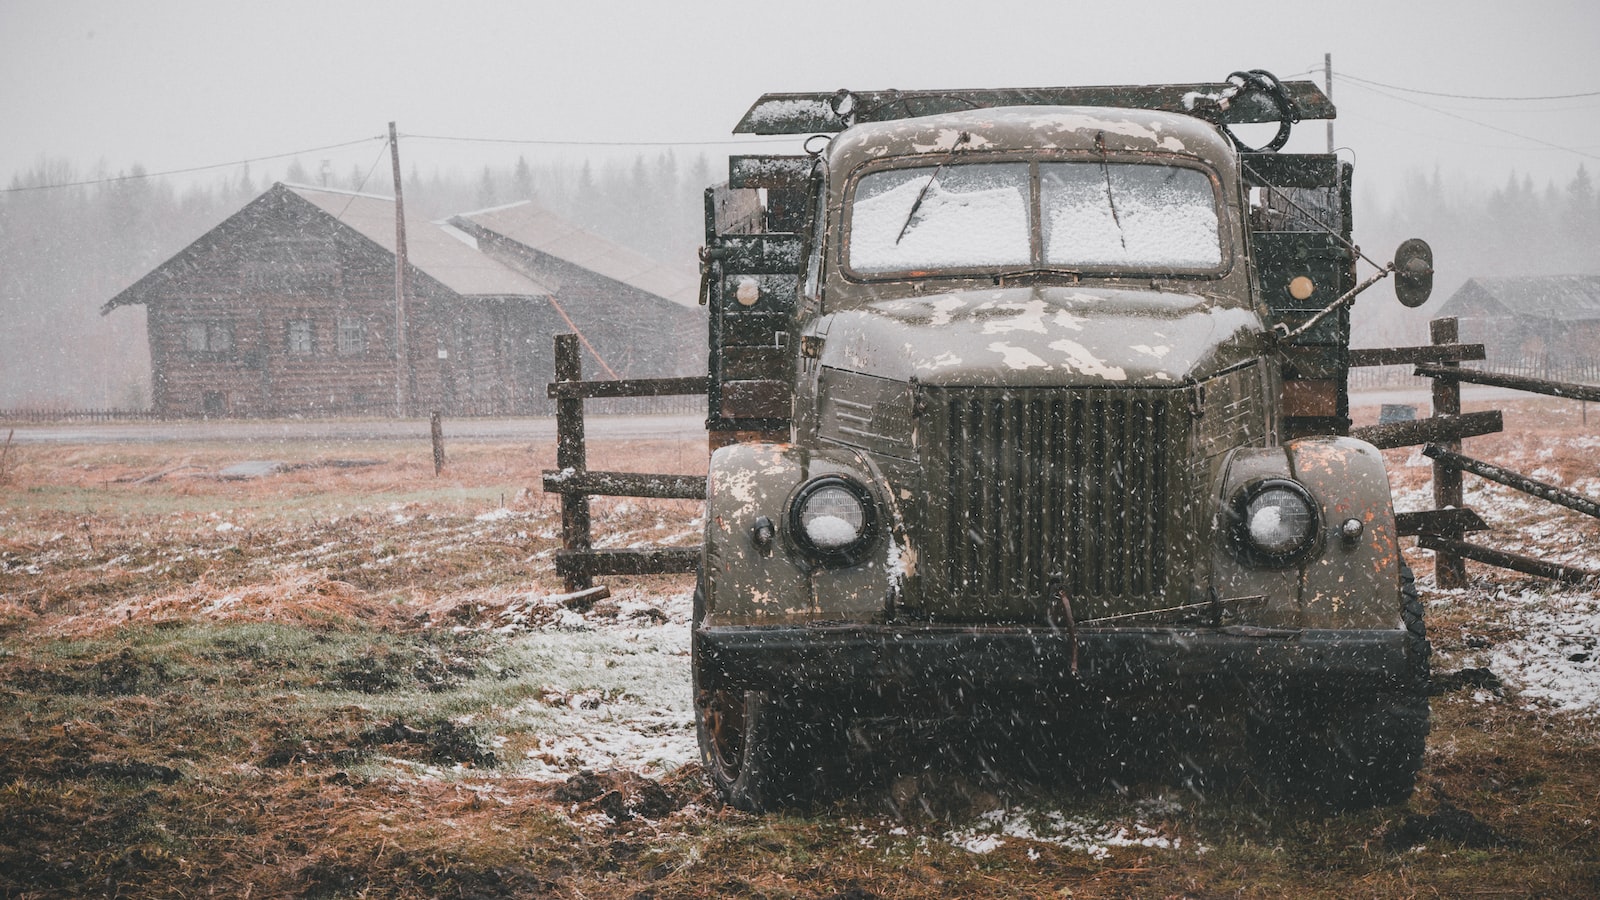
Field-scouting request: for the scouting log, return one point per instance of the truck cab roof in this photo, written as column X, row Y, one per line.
column 1040, row 128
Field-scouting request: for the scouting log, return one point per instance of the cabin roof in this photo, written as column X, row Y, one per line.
column 543, row 231
column 435, row 250
column 1560, row 298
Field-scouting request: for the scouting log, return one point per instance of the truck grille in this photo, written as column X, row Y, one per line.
column 1041, row 484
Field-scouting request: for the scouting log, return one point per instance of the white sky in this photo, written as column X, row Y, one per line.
column 173, row 85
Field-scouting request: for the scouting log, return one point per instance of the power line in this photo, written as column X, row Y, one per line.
column 381, row 151
column 1517, row 134
column 423, row 137
column 559, row 143
column 1395, row 87
column 140, row 175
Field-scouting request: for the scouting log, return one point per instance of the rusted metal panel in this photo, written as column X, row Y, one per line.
column 1290, row 170
column 755, row 400
column 1311, row 398
column 803, row 113
column 770, row 172
column 755, row 363
column 760, row 254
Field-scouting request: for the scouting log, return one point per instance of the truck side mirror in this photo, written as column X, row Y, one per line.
column 1413, row 272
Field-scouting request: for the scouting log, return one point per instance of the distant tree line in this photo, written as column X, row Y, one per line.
column 65, row 251
column 1516, row 228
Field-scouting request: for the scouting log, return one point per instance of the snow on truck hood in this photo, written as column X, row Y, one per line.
column 1040, row 336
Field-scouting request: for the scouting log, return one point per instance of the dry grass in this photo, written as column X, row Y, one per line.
column 298, row 686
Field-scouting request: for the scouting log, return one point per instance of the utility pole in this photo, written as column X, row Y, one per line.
column 1327, row 88
column 402, row 352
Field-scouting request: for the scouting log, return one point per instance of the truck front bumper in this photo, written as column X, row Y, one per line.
column 901, row 663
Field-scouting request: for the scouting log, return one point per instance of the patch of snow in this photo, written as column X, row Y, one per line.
column 941, row 218
column 632, row 680
column 829, row 532
column 1554, row 661
column 1018, row 357
column 1076, row 833
column 1265, row 525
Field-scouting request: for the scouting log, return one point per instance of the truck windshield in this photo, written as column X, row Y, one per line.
column 1144, row 216
column 1092, row 214
column 970, row 215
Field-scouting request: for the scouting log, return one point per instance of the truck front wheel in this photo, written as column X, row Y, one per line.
column 761, row 752
column 756, row 752
column 1351, row 752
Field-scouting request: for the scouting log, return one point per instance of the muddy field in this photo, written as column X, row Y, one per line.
column 343, row 676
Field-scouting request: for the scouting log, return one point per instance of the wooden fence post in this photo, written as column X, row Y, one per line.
column 436, row 431
column 571, row 459
column 1449, row 570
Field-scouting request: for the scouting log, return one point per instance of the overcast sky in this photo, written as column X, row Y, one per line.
column 174, row 85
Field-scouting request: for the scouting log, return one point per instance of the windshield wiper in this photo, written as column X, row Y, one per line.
column 961, row 138
column 1105, row 170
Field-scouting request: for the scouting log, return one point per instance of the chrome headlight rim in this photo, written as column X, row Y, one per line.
column 833, row 556
column 1250, row 549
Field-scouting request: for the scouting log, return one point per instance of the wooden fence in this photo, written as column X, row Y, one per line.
column 633, row 406
column 1443, row 529
column 34, row 415
column 577, row 561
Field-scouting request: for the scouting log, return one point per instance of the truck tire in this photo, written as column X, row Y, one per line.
column 1350, row 752
column 759, row 752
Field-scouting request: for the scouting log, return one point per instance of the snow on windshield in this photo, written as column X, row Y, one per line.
column 1116, row 214
column 976, row 215
column 969, row 215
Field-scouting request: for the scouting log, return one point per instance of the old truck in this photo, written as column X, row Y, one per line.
column 1030, row 406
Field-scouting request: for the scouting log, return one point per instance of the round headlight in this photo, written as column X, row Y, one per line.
column 1276, row 522
column 833, row 520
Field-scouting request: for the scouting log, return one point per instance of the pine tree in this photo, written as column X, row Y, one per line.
column 522, row 180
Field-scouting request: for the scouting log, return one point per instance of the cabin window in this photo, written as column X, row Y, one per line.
column 352, row 334
column 299, row 340
column 208, row 337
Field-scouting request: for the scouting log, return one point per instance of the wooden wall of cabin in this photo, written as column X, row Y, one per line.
column 253, row 327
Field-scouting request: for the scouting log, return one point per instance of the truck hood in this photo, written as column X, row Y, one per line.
column 1041, row 335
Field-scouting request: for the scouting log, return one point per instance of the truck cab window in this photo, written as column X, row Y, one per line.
column 970, row 215
column 1127, row 215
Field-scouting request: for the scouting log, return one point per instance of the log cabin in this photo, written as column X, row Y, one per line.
column 1545, row 326
column 287, row 309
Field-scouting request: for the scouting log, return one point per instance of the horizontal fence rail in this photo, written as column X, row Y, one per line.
column 1442, row 530
column 577, row 561
column 607, row 402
